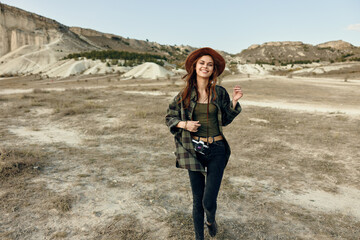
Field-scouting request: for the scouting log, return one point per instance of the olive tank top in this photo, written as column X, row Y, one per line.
column 200, row 114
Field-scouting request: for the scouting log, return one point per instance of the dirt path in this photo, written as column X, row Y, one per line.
column 320, row 108
column 239, row 78
column 316, row 108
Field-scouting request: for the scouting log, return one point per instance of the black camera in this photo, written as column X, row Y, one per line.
column 200, row 147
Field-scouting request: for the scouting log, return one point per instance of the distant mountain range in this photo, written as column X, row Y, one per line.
column 284, row 53
column 29, row 41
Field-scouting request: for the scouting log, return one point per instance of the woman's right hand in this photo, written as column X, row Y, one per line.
column 192, row 126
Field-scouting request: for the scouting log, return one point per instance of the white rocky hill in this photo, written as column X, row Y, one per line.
column 148, row 70
column 65, row 68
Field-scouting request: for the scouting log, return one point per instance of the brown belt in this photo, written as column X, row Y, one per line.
column 211, row 139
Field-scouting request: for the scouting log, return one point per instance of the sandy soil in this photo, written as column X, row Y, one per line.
column 105, row 169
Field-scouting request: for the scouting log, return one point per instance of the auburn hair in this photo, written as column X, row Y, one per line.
column 190, row 80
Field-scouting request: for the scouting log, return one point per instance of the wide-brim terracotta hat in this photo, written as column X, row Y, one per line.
column 219, row 61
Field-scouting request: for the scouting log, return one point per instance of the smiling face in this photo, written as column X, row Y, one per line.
column 204, row 66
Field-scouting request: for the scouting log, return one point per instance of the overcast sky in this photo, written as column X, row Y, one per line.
column 230, row 25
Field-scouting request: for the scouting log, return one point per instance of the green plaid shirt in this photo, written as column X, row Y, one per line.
column 185, row 153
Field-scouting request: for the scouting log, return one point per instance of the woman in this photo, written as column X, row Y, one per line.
column 195, row 117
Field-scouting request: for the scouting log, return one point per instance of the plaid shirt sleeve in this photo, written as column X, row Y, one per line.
column 228, row 111
column 173, row 116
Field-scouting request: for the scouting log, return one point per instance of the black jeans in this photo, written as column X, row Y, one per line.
column 205, row 191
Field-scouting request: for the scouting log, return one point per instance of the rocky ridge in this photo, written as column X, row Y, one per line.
column 30, row 43
column 287, row 52
column 19, row 28
column 339, row 45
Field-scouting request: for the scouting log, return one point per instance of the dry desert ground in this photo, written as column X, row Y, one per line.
column 90, row 157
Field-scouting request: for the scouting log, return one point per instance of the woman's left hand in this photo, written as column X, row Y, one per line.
column 237, row 93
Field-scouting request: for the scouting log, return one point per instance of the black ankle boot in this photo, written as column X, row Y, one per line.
column 212, row 228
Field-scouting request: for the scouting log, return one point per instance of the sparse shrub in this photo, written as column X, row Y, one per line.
column 180, row 221
column 16, row 161
column 63, row 203
column 124, row 227
column 59, row 235
column 81, row 108
column 38, row 90
column 114, row 62
column 355, row 59
column 117, row 55
column 27, row 96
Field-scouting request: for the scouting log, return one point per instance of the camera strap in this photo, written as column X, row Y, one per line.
column 207, row 119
